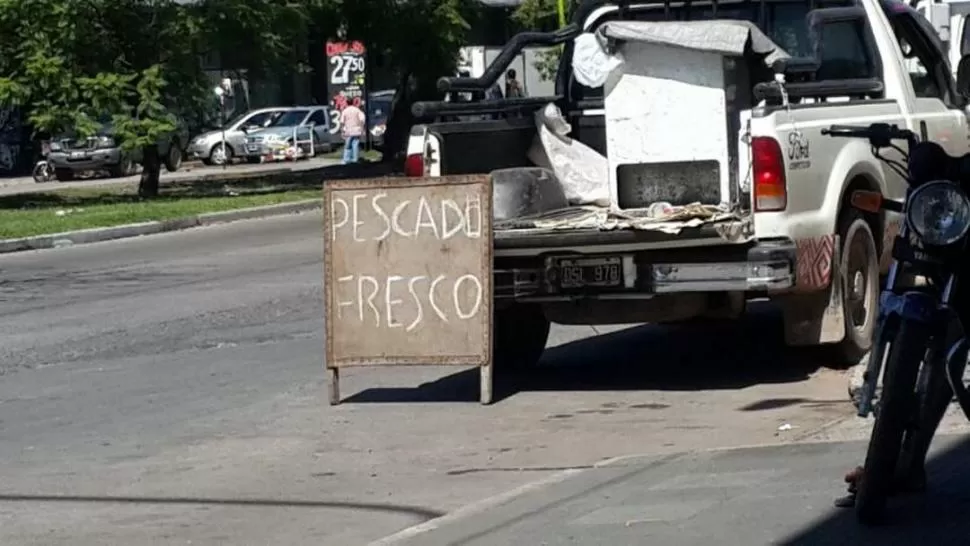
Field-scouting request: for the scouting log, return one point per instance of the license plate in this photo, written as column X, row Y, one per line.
column 253, row 147
column 590, row 272
column 77, row 155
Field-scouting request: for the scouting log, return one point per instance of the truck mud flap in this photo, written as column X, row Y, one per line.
column 814, row 317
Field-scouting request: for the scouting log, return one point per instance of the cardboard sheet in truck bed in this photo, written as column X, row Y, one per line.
column 729, row 226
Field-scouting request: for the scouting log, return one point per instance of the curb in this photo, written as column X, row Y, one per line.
column 473, row 509
column 494, row 501
column 95, row 235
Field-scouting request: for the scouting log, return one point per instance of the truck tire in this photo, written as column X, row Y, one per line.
column 519, row 337
column 859, row 275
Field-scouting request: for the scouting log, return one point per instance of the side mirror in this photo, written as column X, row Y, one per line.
column 963, row 77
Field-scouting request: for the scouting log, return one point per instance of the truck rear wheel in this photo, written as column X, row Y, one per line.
column 519, row 337
column 859, row 274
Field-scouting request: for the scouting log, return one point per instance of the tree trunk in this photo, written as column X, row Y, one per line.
column 399, row 123
column 410, row 89
column 150, row 173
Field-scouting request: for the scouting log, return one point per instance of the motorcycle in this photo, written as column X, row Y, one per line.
column 918, row 304
column 43, row 170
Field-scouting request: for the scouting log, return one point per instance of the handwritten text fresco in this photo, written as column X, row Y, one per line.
column 410, row 271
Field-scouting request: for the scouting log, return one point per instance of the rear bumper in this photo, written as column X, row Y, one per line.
column 761, row 268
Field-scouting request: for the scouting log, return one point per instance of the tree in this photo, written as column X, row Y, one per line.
column 81, row 65
column 538, row 14
column 134, row 65
column 421, row 39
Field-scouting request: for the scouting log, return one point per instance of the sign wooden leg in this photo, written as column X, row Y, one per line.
column 486, row 384
column 334, row 386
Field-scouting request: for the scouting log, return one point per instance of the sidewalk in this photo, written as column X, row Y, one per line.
column 743, row 497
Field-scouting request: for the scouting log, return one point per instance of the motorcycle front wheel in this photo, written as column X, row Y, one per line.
column 896, row 406
column 41, row 173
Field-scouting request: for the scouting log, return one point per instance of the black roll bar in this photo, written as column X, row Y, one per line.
column 430, row 109
column 505, row 58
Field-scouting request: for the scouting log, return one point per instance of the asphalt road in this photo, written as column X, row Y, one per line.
column 26, row 184
column 170, row 388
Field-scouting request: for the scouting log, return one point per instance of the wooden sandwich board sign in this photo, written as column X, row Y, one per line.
column 408, row 274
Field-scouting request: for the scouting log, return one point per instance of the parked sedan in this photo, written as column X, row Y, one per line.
column 208, row 146
column 302, row 122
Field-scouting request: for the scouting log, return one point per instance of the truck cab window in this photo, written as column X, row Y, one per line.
column 844, row 54
column 784, row 23
column 925, row 64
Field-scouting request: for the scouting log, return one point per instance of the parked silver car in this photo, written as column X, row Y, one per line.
column 301, row 122
column 208, row 145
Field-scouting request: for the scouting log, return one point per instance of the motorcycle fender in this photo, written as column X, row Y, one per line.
column 915, row 306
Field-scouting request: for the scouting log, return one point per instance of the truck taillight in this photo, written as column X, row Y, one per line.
column 414, row 165
column 768, row 166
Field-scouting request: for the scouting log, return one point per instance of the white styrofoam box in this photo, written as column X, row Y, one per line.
column 666, row 104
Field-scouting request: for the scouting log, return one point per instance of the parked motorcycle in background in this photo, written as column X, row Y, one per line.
column 914, row 317
column 43, row 170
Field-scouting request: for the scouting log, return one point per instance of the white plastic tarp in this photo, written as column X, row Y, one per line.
column 725, row 36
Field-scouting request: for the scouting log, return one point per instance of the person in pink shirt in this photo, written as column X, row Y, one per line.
column 353, row 123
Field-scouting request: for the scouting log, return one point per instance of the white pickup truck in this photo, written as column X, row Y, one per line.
column 719, row 184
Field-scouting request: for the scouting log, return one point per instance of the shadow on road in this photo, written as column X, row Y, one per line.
column 415, row 511
column 938, row 517
column 719, row 355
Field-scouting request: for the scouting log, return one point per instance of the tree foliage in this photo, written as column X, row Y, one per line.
column 420, row 39
column 76, row 65
column 73, row 66
column 536, row 14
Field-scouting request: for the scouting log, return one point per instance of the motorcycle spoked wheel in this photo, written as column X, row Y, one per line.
column 896, row 405
column 42, row 173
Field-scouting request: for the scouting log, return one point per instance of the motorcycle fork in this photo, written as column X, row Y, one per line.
column 930, row 385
